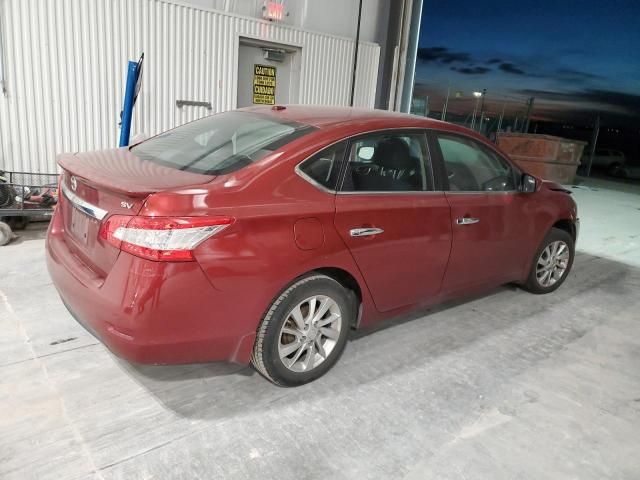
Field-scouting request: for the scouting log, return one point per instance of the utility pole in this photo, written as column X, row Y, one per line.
column 528, row 115
column 501, row 116
column 594, row 140
column 484, row 94
column 446, row 104
column 355, row 57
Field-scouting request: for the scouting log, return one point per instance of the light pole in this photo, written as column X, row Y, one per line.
column 475, row 109
column 484, row 94
column 594, row 140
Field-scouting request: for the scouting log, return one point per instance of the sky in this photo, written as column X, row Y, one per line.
column 577, row 58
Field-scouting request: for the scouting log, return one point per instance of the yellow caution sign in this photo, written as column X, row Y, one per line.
column 264, row 85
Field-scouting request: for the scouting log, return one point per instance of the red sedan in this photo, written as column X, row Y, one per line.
column 264, row 235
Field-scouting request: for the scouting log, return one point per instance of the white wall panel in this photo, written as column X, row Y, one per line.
column 335, row 17
column 65, row 68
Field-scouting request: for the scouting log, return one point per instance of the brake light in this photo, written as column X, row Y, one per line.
column 161, row 238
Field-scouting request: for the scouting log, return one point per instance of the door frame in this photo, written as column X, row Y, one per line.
column 432, row 169
column 295, row 49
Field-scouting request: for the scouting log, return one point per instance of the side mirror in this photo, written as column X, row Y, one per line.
column 528, row 183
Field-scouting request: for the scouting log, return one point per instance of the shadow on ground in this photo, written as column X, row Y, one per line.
column 397, row 346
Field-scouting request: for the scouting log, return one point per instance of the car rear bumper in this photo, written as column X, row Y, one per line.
column 151, row 312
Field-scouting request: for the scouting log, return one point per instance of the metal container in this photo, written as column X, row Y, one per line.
column 546, row 156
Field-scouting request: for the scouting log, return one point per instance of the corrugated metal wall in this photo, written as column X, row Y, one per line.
column 65, row 67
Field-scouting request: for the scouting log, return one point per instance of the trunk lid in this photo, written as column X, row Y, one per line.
column 120, row 171
column 95, row 185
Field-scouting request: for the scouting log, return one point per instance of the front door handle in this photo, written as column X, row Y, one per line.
column 467, row 221
column 363, row 232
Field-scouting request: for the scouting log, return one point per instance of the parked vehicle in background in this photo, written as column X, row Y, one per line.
column 612, row 161
column 631, row 172
column 266, row 234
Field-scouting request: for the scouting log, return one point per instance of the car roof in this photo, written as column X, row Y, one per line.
column 324, row 116
column 343, row 121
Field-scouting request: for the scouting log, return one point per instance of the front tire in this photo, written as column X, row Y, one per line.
column 304, row 331
column 552, row 262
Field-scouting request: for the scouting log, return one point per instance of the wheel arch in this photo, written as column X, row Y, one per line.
column 568, row 226
column 345, row 279
column 349, row 282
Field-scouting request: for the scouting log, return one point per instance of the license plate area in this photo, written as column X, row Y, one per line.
column 80, row 226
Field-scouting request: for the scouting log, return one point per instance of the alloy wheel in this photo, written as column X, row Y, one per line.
column 309, row 333
column 552, row 263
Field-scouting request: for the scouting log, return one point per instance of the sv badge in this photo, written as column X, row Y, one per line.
column 126, row 205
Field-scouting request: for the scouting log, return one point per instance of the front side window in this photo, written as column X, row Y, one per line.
column 220, row 144
column 471, row 167
column 324, row 167
column 388, row 162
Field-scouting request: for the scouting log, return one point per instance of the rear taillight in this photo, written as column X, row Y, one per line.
column 161, row 238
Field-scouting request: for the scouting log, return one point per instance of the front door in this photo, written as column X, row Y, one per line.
column 488, row 214
column 396, row 227
column 268, row 74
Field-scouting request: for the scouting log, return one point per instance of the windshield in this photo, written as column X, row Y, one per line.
column 221, row 143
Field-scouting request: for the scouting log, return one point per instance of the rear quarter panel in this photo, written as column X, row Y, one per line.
column 257, row 257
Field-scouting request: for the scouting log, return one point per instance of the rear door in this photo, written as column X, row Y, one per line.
column 395, row 224
column 488, row 213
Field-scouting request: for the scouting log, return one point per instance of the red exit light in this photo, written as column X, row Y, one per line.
column 273, row 11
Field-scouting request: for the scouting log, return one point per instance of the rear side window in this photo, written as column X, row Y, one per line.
column 388, row 162
column 324, row 167
column 220, row 144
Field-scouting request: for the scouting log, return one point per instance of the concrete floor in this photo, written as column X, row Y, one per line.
column 508, row 385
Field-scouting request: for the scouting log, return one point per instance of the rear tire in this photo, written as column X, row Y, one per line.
column 552, row 262
column 304, row 331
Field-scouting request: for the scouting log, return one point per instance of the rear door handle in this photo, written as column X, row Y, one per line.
column 467, row 221
column 364, row 232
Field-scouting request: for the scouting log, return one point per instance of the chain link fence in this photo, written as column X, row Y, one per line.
column 482, row 111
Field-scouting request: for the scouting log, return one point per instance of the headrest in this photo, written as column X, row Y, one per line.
column 393, row 153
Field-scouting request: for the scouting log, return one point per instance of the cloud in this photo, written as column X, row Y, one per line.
column 442, row 55
column 471, row 70
column 570, row 74
column 620, row 107
column 493, row 61
column 511, row 68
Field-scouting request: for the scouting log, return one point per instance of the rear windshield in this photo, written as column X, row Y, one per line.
column 221, row 143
